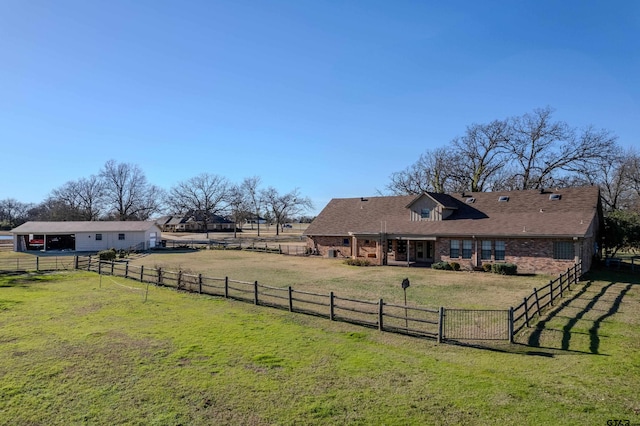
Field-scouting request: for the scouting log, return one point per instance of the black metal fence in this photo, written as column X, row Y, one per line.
column 477, row 324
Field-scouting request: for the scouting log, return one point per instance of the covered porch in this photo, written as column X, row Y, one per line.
column 394, row 250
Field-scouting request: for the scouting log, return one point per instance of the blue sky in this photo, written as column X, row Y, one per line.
column 330, row 97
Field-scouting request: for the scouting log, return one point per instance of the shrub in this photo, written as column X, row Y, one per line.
column 357, row 262
column 455, row 266
column 505, row 268
column 487, row 267
column 107, row 254
column 442, row 266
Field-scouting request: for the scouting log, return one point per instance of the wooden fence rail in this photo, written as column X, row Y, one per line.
column 440, row 324
column 536, row 302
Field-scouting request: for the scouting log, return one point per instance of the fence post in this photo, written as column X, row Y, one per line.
column 380, row 315
column 75, row 262
column 331, row 306
column 37, row 263
column 290, row 299
column 510, row 327
column 126, row 269
column 112, row 264
column 159, row 276
column 199, row 283
column 440, row 337
column 535, row 292
column 551, row 292
column 99, row 267
column 561, row 279
column 142, row 273
column 89, row 264
column 226, row 287
column 255, row 292
column 526, row 312
column 179, row 279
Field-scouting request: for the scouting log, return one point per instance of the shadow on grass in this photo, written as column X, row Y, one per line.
column 609, row 288
column 565, row 309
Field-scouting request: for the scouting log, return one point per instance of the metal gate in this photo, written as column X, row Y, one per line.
column 476, row 324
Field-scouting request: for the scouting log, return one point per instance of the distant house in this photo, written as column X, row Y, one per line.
column 253, row 220
column 85, row 236
column 194, row 222
column 540, row 231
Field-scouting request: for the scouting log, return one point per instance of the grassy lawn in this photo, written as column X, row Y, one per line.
column 77, row 349
column 428, row 287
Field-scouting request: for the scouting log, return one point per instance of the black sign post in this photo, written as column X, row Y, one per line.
column 405, row 284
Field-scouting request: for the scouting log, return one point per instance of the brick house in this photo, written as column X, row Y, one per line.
column 541, row 231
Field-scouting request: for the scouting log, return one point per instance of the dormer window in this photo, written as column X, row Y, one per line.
column 471, row 200
column 555, row 197
column 503, row 198
column 425, row 213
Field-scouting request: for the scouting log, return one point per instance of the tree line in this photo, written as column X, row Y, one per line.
column 121, row 191
column 535, row 151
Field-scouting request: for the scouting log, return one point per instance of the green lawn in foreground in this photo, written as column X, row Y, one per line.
column 77, row 349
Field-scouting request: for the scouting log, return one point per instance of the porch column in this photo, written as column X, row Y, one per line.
column 354, row 247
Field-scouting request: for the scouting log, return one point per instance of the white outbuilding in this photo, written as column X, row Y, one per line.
column 86, row 236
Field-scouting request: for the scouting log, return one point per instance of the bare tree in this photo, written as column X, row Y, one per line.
column 531, row 151
column 238, row 205
column 632, row 179
column 481, row 152
column 128, row 194
column 77, row 200
column 284, row 206
column 431, row 173
column 250, row 186
column 205, row 194
column 13, row 212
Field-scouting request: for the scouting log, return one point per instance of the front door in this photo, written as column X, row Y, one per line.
column 424, row 251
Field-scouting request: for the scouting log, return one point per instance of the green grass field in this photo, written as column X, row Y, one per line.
column 321, row 275
column 79, row 349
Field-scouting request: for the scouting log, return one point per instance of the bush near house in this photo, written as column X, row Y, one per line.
column 107, row 254
column 357, row 262
column 504, row 268
column 445, row 266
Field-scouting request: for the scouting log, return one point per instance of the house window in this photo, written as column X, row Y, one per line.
column 425, row 213
column 345, row 242
column 402, row 246
column 121, row 236
column 500, row 250
column 454, row 249
column 466, row 249
column 485, row 253
column 563, row 250
column 98, row 237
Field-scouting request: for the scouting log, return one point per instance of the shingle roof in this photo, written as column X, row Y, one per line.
column 73, row 226
column 526, row 213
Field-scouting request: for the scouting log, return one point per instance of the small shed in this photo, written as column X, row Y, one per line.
column 86, row 236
